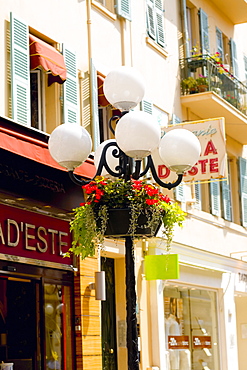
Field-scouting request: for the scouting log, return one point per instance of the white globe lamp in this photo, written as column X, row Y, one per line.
column 124, row 88
column 137, row 134
column 70, row 145
column 179, row 150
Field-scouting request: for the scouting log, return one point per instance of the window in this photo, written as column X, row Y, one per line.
column 220, row 196
column 37, row 72
column 122, row 8
column 155, row 21
column 191, row 328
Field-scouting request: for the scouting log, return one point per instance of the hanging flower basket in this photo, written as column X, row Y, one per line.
column 118, row 224
column 119, row 208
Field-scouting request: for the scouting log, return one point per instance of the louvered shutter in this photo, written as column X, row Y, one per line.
column 226, row 200
column 234, row 58
column 151, row 27
column 20, row 71
column 71, row 106
column 146, row 106
column 175, row 119
column 215, row 197
column 123, row 9
column 204, row 31
column 94, row 108
column 243, row 189
column 198, row 196
column 180, row 193
column 219, row 43
column 159, row 23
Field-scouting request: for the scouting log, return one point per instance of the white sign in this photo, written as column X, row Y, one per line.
column 212, row 163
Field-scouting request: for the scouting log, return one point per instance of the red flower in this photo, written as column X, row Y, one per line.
column 137, row 185
column 165, row 198
column 150, row 202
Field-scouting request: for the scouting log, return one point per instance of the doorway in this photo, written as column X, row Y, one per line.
column 19, row 322
column 108, row 317
column 36, row 318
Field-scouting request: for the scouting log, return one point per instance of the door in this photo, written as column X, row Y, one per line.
column 108, row 317
column 19, row 323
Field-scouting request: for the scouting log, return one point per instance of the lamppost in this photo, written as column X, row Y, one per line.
column 137, row 136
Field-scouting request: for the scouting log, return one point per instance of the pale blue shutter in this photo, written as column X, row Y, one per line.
column 180, row 193
column 71, row 105
column 146, row 106
column 243, row 189
column 215, row 197
column 175, row 120
column 226, row 200
column 151, row 28
column 198, row 196
column 219, row 43
column 94, row 107
column 234, row 57
column 204, row 31
column 160, row 23
column 20, row 71
column 123, row 9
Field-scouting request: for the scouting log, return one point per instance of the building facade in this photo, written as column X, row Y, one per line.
column 53, row 61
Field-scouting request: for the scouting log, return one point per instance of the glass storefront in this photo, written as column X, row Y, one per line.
column 191, row 328
column 58, row 326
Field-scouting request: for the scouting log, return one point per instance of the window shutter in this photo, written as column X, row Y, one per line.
column 123, row 9
column 226, row 198
column 151, row 29
column 94, row 107
column 243, row 189
column 204, row 31
column 245, row 68
column 160, row 23
column 198, row 196
column 234, row 58
column 180, row 193
column 20, row 71
column 85, row 102
column 175, row 120
column 146, row 106
column 215, row 197
column 219, row 43
column 71, row 111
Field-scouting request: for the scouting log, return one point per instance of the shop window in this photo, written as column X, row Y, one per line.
column 155, row 21
column 58, row 313
column 191, row 328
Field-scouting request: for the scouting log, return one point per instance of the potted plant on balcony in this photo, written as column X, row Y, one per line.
column 189, row 85
column 141, row 207
column 202, row 83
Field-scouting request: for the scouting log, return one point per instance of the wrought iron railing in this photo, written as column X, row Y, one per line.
column 203, row 73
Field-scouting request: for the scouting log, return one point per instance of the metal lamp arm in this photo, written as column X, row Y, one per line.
column 169, row 185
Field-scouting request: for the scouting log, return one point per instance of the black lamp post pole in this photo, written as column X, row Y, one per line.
column 132, row 336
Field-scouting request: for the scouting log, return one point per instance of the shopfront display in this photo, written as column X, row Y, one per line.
column 36, row 291
column 191, row 328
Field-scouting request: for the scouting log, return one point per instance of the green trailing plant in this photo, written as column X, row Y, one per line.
column 189, row 84
column 90, row 218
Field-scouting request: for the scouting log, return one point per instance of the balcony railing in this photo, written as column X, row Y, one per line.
column 203, row 73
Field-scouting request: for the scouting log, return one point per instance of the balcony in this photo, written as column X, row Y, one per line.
column 235, row 10
column 209, row 90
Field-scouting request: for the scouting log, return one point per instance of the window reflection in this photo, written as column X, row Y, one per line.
column 57, row 327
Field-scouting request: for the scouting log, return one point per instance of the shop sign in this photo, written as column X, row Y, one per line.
column 178, row 341
column 212, row 162
column 32, row 235
column 201, row 341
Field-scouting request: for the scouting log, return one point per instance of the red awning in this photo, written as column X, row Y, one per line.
column 103, row 102
column 47, row 57
column 37, row 150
